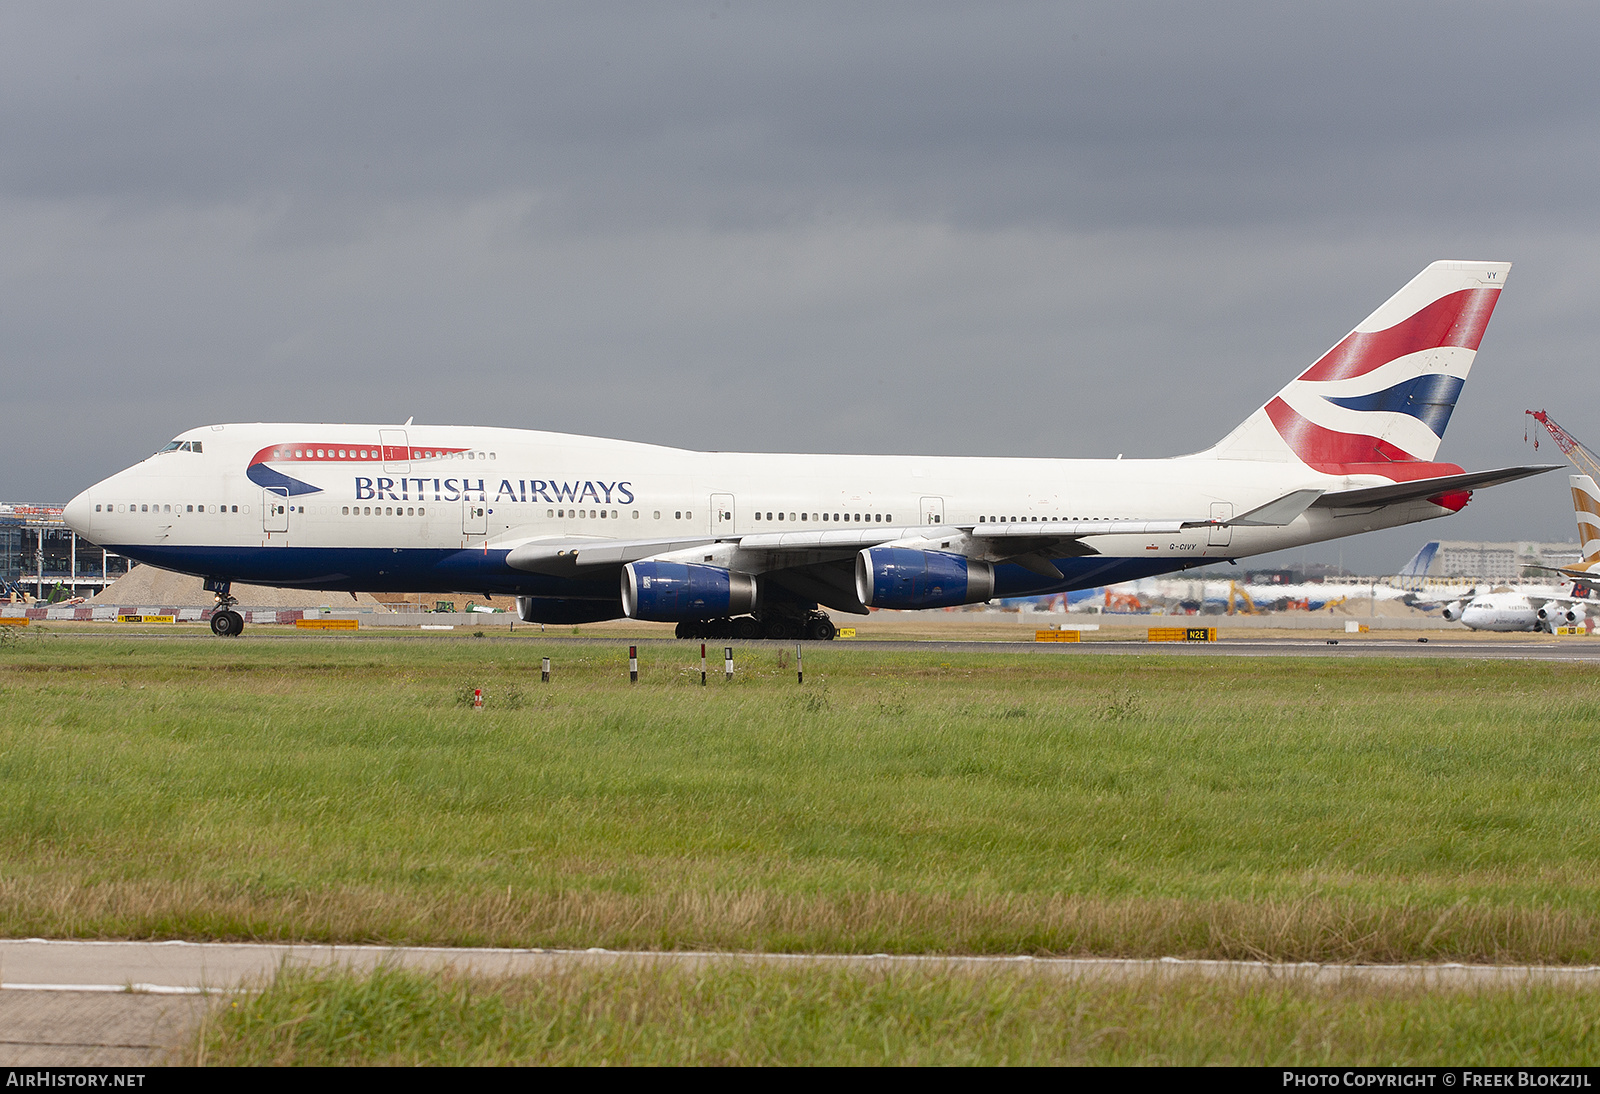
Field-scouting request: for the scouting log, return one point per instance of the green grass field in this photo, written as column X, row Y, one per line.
column 344, row 790
column 840, row 1016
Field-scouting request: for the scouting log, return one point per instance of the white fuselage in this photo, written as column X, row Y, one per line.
column 420, row 508
column 1507, row 611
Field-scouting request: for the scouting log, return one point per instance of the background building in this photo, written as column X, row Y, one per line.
column 1500, row 562
column 38, row 552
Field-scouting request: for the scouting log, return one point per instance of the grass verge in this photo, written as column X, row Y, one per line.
column 1360, row 810
column 662, row 1015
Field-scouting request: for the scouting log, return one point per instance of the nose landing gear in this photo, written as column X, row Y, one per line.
column 225, row 622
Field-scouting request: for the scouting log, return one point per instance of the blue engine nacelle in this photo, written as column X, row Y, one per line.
column 671, row 592
column 900, row 577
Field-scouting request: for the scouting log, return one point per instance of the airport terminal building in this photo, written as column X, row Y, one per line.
column 1501, row 562
column 38, row 553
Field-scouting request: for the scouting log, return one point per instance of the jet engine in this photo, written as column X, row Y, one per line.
column 1452, row 612
column 1561, row 613
column 901, row 577
column 671, row 592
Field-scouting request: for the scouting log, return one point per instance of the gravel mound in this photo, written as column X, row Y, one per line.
column 150, row 586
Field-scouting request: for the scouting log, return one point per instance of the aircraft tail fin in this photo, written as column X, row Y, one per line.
column 1586, row 506
column 1384, row 394
column 1413, row 575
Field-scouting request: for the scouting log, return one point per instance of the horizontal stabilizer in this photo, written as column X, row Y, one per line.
column 1274, row 514
column 1392, row 493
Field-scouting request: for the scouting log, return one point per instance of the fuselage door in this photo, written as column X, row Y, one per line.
column 722, row 515
column 1221, row 534
column 275, row 509
column 474, row 515
column 396, row 452
column 932, row 511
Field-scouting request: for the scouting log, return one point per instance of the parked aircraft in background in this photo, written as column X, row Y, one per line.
column 1211, row 593
column 1542, row 608
column 751, row 544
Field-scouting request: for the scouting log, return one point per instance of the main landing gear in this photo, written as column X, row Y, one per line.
column 225, row 622
column 815, row 626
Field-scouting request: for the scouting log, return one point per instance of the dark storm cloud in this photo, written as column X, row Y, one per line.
column 1005, row 229
column 1086, row 115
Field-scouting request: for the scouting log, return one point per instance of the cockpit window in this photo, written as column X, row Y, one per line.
column 171, row 446
column 179, row 446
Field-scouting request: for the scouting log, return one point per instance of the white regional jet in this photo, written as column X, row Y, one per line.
column 1535, row 608
column 750, row 544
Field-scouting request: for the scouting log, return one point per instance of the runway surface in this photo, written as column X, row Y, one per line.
column 1532, row 649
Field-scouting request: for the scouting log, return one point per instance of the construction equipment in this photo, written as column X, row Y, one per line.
column 1236, row 593
column 1122, row 602
column 1575, row 450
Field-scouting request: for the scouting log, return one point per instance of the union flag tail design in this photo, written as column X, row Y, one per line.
column 1586, row 504
column 1377, row 403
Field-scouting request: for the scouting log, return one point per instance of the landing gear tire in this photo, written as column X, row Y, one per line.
column 227, row 623
column 816, row 628
column 781, row 630
column 821, row 629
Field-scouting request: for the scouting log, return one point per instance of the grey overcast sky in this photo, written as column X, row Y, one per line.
column 1069, row 229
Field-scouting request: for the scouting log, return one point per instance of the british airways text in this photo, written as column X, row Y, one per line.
column 382, row 488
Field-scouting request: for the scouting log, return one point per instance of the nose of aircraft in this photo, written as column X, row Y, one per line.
column 76, row 514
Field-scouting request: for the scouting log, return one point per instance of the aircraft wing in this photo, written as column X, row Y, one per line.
column 1390, row 493
column 773, row 550
column 562, row 556
column 565, row 555
column 806, row 559
column 1586, row 580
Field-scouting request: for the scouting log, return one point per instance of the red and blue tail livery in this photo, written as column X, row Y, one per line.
column 760, row 544
column 1378, row 402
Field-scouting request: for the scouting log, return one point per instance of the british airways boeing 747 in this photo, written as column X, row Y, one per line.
column 754, row 544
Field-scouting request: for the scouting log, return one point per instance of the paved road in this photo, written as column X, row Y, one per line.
column 176, row 968
column 95, row 1029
